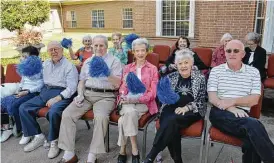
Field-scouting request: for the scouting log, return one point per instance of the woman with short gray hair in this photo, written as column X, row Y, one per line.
column 255, row 55
column 218, row 56
column 137, row 95
column 190, row 86
column 84, row 52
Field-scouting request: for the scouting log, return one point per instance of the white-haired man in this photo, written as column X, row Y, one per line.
column 98, row 93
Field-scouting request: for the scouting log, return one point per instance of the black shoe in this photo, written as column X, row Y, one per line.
column 122, row 158
column 135, row 159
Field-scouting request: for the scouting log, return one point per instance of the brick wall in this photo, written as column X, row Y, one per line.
column 143, row 17
column 212, row 19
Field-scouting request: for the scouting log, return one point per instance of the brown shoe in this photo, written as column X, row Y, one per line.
column 74, row 159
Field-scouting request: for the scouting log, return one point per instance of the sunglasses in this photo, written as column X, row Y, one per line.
column 232, row 50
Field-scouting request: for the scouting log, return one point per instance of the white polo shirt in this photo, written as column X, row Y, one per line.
column 230, row 84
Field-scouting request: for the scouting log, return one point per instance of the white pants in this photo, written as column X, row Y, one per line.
column 128, row 122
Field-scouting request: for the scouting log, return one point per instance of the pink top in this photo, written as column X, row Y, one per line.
column 218, row 56
column 149, row 76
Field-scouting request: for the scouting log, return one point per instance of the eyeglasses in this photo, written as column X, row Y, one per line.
column 234, row 50
column 53, row 49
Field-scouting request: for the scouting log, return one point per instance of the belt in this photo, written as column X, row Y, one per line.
column 53, row 87
column 100, row 90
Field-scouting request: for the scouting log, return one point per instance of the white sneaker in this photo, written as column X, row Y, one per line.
column 5, row 135
column 37, row 142
column 54, row 150
column 24, row 140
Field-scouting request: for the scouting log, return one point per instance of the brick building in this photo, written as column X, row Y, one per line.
column 204, row 22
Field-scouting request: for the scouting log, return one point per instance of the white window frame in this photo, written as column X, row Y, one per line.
column 257, row 17
column 70, row 20
column 124, row 19
column 97, row 17
column 268, row 35
column 159, row 11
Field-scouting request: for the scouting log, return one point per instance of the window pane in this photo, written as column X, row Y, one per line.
column 182, row 10
column 260, row 26
column 73, row 24
column 168, row 10
column 127, row 18
column 260, row 8
column 182, row 28
column 94, row 24
column 175, row 23
column 168, row 28
column 101, row 24
column 127, row 24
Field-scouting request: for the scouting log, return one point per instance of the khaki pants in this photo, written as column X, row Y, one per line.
column 102, row 105
column 128, row 122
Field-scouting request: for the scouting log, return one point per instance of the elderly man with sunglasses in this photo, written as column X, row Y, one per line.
column 233, row 88
column 60, row 77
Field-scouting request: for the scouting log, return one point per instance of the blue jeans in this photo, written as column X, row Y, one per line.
column 12, row 107
column 28, row 113
column 256, row 143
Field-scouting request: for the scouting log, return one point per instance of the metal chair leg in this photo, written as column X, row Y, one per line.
column 207, row 148
column 143, row 156
column 202, row 144
column 107, row 139
column 87, row 124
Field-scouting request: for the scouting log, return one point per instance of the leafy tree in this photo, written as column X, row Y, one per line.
column 15, row 14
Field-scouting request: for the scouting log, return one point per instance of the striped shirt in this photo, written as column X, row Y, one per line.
column 234, row 84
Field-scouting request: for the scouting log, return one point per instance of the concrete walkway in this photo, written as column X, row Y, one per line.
column 12, row 152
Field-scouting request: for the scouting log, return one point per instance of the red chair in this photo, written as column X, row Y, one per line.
column 2, row 74
column 163, row 51
column 152, row 58
column 214, row 135
column 196, row 131
column 130, row 57
column 205, row 54
column 269, row 82
column 11, row 74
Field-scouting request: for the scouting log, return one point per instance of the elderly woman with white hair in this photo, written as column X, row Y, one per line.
column 84, row 52
column 137, row 97
column 255, row 55
column 218, row 56
column 189, row 87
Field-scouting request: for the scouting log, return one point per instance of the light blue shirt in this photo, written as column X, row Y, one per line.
column 33, row 83
column 122, row 55
column 62, row 74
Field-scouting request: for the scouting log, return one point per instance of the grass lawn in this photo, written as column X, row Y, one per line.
column 10, row 55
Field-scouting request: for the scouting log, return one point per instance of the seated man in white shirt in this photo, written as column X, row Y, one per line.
column 98, row 93
column 233, row 88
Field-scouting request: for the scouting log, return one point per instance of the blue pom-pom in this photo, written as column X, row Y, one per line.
column 6, row 104
column 32, row 65
column 98, row 67
column 130, row 38
column 66, row 43
column 135, row 86
column 165, row 92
